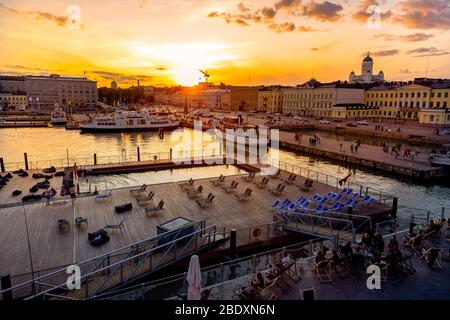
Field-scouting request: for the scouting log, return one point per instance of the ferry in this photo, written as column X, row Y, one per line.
column 437, row 159
column 58, row 116
column 122, row 121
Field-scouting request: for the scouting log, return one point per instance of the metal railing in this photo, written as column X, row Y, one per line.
column 113, row 159
column 382, row 197
column 217, row 274
column 337, row 227
column 121, row 258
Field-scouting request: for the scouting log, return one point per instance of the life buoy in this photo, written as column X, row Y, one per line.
column 256, row 232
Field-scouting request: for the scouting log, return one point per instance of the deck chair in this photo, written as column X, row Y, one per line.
column 219, row 181
column 263, row 183
column 104, row 197
column 188, row 184
column 195, row 193
column 63, row 225
column 149, row 211
column 232, row 187
column 270, row 291
column 306, row 186
column 115, row 226
column 433, row 253
column 279, row 190
column 79, row 221
column 322, row 269
column 138, row 191
column 206, row 202
column 276, row 175
column 415, row 244
column 145, row 200
column 249, row 178
column 291, row 179
column 244, row 196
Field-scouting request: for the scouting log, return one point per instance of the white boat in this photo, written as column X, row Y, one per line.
column 58, row 116
column 437, row 159
column 121, row 121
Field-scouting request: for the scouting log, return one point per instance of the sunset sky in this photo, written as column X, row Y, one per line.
column 165, row 42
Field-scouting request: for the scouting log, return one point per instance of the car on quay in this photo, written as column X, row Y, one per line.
column 352, row 124
column 363, row 122
column 324, row 121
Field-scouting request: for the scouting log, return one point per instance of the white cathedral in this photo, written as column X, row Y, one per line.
column 366, row 75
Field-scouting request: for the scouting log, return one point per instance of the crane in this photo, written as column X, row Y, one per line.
column 206, row 75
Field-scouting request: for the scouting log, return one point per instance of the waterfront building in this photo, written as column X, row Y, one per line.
column 317, row 100
column 366, row 75
column 270, row 99
column 424, row 100
column 242, row 98
column 12, row 84
column 12, row 101
column 197, row 97
column 43, row 92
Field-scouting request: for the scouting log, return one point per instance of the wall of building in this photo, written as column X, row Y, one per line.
column 44, row 92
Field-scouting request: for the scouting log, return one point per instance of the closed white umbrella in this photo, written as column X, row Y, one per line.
column 194, row 279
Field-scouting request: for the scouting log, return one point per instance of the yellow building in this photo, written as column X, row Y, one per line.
column 12, row 101
column 242, row 98
column 425, row 100
column 270, row 100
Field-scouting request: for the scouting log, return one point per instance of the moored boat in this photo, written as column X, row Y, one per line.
column 122, row 121
column 58, row 116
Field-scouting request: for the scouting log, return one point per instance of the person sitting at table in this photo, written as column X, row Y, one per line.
column 335, row 259
column 393, row 244
column 366, row 241
column 394, row 257
column 430, row 226
column 346, row 250
column 271, row 272
column 286, row 261
column 378, row 243
column 258, row 281
column 320, row 257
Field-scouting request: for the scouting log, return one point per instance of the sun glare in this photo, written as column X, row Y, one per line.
column 183, row 60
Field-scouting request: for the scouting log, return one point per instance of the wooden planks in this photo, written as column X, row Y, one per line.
column 51, row 248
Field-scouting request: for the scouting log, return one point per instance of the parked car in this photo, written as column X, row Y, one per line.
column 447, row 132
column 337, row 120
column 324, row 121
column 351, row 124
column 363, row 122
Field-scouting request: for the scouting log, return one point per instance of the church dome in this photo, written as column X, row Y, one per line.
column 368, row 58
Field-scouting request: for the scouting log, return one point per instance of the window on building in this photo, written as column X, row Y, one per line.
column 439, row 95
column 425, row 94
column 438, row 104
column 418, row 94
column 412, row 95
column 446, row 95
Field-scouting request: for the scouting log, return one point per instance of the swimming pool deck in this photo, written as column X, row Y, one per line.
column 51, row 248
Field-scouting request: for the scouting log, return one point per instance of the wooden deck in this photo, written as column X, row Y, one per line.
column 24, row 185
column 51, row 248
